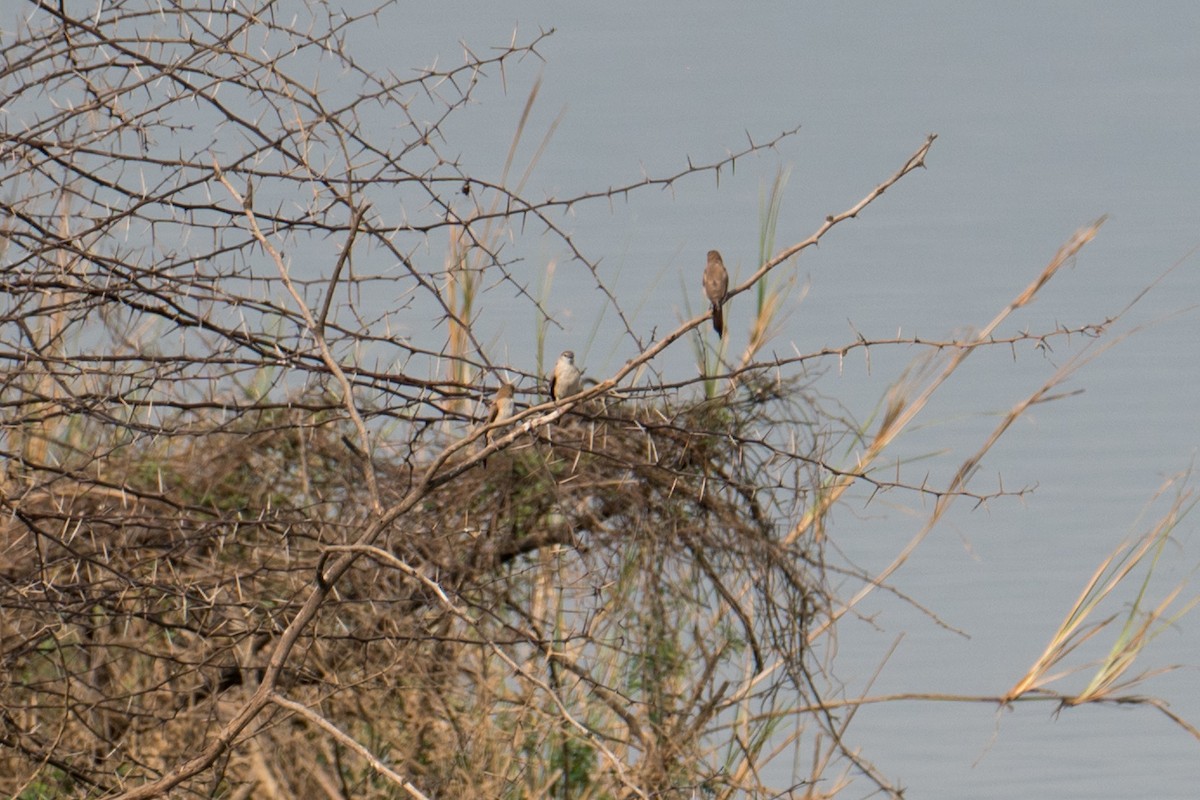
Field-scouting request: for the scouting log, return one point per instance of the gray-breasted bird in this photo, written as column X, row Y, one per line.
column 566, row 379
column 716, row 286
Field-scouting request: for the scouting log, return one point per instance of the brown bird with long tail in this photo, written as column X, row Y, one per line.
column 716, row 287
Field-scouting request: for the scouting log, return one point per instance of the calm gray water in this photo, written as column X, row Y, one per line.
column 1049, row 115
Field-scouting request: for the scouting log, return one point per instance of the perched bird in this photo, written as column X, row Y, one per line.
column 500, row 409
column 567, row 379
column 716, row 286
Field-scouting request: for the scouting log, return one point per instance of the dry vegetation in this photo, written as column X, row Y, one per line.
column 254, row 543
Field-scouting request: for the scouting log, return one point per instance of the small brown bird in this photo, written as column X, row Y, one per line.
column 500, row 409
column 716, row 286
column 566, row 379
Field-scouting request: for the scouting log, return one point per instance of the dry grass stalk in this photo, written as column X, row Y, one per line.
column 902, row 411
column 1141, row 624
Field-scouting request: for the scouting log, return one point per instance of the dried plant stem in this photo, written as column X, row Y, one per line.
column 901, row 413
column 349, row 741
column 315, row 329
column 1079, row 626
column 449, row 605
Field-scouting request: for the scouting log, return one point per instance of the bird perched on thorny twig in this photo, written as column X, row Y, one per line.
column 716, row 286
column 566, row 379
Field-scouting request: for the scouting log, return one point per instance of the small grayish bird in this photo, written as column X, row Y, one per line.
column 716, row 286
column 566, row 379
